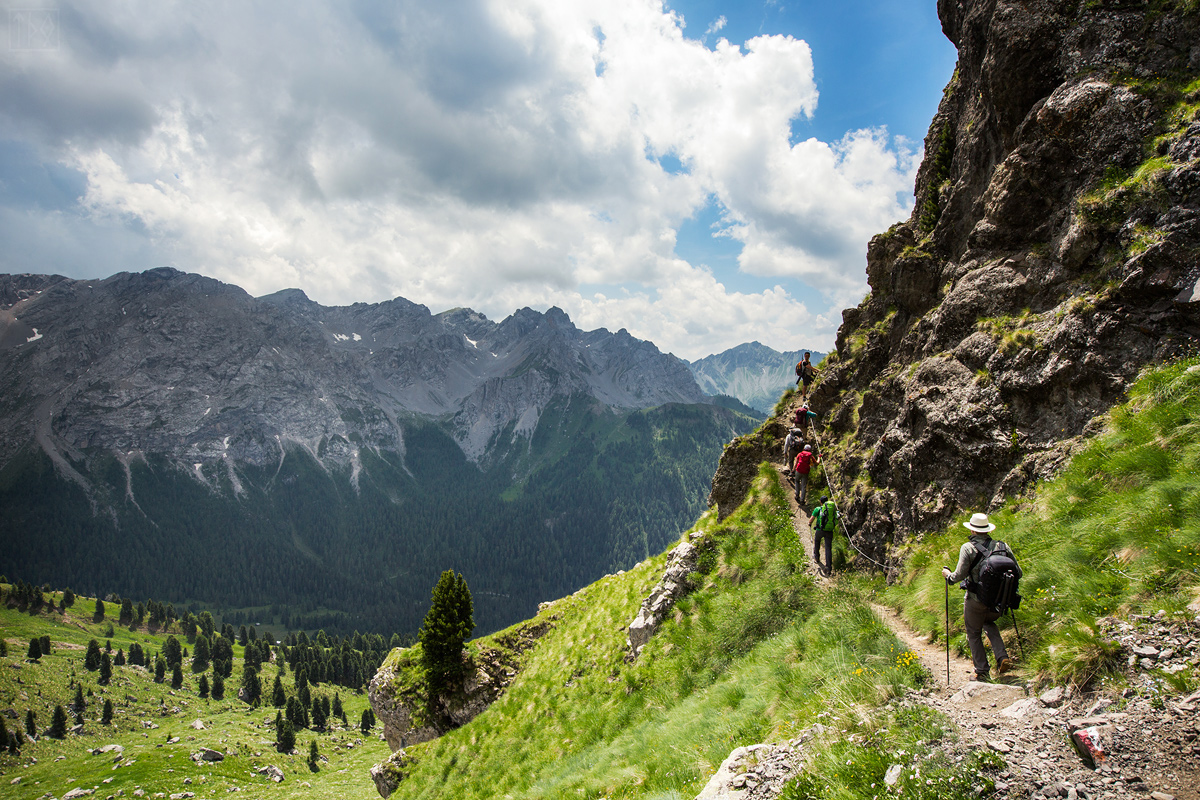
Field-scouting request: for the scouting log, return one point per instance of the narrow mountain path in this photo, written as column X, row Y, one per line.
column 1149, row 755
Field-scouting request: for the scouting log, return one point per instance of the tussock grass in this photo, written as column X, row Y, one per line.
column 1117, row 532
column 755, row 653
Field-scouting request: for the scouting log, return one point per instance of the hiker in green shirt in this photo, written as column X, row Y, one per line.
column 823, row 519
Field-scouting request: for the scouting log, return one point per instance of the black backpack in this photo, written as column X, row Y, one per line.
column 998, row 577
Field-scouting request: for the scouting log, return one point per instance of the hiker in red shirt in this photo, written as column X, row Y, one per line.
column 804, row 463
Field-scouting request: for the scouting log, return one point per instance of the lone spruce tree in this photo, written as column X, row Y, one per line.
column 447, row 625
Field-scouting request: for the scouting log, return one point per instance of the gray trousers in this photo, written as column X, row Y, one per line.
column 979, row 619
column 827, row 538
column 801, row 479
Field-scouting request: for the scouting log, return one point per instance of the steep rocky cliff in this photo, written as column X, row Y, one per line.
column 1051, row 254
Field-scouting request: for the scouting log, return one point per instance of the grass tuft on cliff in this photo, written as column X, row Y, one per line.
column 1118, row 532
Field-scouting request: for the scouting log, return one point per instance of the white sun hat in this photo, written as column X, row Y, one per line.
column 979, row 523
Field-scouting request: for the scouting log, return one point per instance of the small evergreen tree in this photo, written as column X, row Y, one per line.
column 368, row 721
column 79, row 706
column 173, row 651
column 30, row 722
column 3, row 647
column 91, row 661
column 285, row 735
column 35, row 650
column 176, row 676
column 15, row 740
column 251, row 691
column 313, row 755
column 106, row 666
column 278, row 695
column 58, row 723
column 99, row 615
column 119, row 658
column 201, row 654
column 107, row 715
column 445, row 629
column 68, row 599
column 45, row 644
column 218, row 686
column 160, row 669
column 338, row 711
column 318, row 715
column 203, row 686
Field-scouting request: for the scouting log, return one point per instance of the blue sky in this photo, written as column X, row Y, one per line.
column 701, row 173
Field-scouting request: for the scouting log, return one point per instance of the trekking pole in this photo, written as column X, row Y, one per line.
column 1021, row 647
column 948, row 633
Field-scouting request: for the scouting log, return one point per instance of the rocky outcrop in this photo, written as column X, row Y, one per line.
column 755, row 772
column 677, row 580
column 1051, row 254
column 398, row 694
column 739, row 464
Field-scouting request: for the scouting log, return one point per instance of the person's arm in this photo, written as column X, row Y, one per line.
column 964, row 564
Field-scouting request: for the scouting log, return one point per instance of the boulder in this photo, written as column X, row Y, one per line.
column 271, row 772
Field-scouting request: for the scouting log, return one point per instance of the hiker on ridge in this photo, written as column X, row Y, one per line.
column 791, row 446
column 823, row 520
column 802, row 415
column 804, row 462
column 979, row 618
column 805, row 373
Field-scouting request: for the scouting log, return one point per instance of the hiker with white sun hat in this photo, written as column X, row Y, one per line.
column 978, row 616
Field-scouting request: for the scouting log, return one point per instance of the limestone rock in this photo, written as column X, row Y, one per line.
column 271, row 772
column 675, row 583
column 754, row 772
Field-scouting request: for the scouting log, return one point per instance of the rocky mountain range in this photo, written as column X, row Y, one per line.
column 177, row 408
column 752, row 372
column 189, row 367
column 1052, row 253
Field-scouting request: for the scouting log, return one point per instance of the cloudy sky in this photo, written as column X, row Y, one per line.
column 701, row 172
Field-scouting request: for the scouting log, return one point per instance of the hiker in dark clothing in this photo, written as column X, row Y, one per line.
column 823, row 520
column 805, row 373
column 802, row 415
column 804, row 463
column 977, row 617
column 791, row 446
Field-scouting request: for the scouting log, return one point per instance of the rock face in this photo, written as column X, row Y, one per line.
column 682, row 561
column 1051, row 254
column 168, row 363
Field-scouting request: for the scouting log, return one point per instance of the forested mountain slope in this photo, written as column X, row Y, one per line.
column 167, row 435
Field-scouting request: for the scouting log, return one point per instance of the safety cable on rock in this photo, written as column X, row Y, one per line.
column 829, row 480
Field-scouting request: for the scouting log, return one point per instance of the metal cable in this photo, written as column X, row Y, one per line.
column 829, row 480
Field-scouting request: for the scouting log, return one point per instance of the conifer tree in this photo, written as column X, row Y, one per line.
column 30, row 722
column 91, row 661
column 445, row 629
column 3, row 647
column 201, row 654
column 278, row 695
column 285, row 735
column 44, row 641
column 15, row 740
column 58, row 723
column 160, row 669
column 176, row 676
column 79, row 705
column 68, row 599
column 368, row 721
column 251, row 691
column 107, row 715
column 218, row 686
column 173, row 651
column 338, row 711
column 106, row 666
column 313, row 755
column 99, row 615
column 119, row 658
column 35, row 650
column 202, row 685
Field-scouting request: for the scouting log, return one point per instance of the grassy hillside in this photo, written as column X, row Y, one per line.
column 756, row 653
column 1118, row 532
column 153, row 723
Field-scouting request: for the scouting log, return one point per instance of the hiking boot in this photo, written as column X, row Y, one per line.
column 1006, row 665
